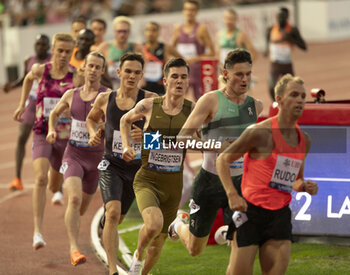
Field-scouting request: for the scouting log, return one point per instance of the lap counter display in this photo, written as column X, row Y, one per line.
column 328, row 164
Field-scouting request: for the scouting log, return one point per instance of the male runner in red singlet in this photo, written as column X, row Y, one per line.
column 274, row 155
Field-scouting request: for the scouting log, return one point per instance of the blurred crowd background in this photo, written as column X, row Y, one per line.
column 40, row 12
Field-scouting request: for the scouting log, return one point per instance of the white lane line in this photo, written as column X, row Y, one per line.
column 126, row 253
column 12, row 195
column 330, row 179
column 11, row 164
column 129, row 229
column 96, row 243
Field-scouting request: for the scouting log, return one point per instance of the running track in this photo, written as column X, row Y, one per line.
column 325, row 66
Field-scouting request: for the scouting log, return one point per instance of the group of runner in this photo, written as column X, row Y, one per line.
column 88, row 134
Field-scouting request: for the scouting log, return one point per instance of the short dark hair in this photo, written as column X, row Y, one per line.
column 99, row 20
column 237, row 56
column 131, row 57
column 42, row 36
column 175, row 62
column 284, row 10
column 194, row 2
column 86, row 31
column 97, row 54
column 79, row 19
column 154, row 24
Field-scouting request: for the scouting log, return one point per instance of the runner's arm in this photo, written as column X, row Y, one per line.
column 138, row 48
column 258, row 106
column 243, row 144
column 300, row 185
column 103, row 48
column 267, row 39
column 175, row 37
column 295, row 37
column 35, row 73
column 201, row 113
column 136, row 132
column 62, row 105
column 93, row 120
column 170, row 51
column 142, row 110
column 208, row 43
column 247, row 43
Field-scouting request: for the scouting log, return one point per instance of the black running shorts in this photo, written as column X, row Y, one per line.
column 208, row 196
column 264, row 225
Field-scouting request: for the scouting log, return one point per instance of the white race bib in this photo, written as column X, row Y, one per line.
column 79, row 135
column 187, row 50
column 164, row 160
column 153, row 71
column 285, row 173
column 117, row 147
column 103, row 165
column 236, row 167
column 239, row 218
column 280, row 53
column 49, row 105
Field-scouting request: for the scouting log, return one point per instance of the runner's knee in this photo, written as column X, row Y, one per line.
column 153, row 228
column 75, row 201
column 41, row 180
column 113, row 215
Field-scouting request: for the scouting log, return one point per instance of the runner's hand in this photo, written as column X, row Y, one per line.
column 311, row 187
column 51, row 137
column 237, row 203
column 136, row 133
column 129, row 154
column 18, row 113
column 96, row 138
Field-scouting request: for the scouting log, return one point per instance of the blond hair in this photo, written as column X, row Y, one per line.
column 283, row 82
column 122, row 19
column 65, row 37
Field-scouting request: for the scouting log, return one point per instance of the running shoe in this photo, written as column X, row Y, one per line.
column 135, row 266
column 57, row 198
column 38, row 241
column 16, row 184
column 182, row 217
column 77, row 258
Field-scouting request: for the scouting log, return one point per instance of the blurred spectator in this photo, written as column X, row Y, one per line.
column 99, row 28
column 161, row 6
column 29, row 12
column 58, row 11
